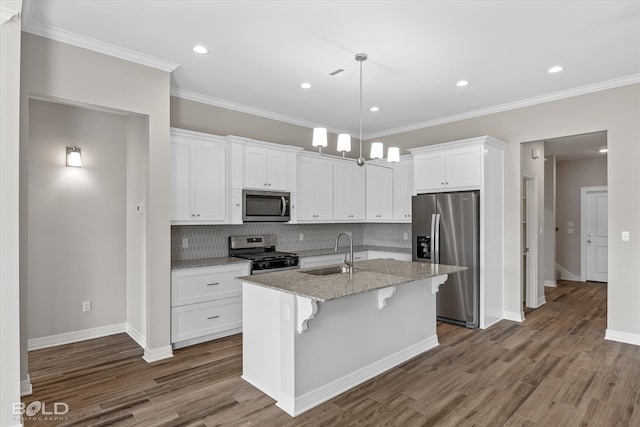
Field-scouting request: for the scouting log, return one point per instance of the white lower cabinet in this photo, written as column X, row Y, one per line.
column 206, row 303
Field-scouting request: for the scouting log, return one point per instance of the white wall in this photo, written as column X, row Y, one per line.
column 58, row 71
column 76, row 220
column 9, row 213
column 572, row 176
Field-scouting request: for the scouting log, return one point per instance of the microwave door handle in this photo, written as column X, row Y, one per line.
column 284, row 206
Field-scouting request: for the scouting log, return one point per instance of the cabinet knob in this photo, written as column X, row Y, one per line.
column 269, row 184
column 265, row 184
column 447, row 183
column 193, row 215
column 237, row 205
column 442, row 183
column 198, row 215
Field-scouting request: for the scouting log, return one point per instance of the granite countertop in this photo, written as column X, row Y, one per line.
column 370, row 275
column 205, row 262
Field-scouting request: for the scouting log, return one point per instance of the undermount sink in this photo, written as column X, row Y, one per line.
column 326, row 271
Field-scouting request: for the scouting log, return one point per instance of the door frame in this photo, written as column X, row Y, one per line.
column 531, row 193
column 584, row 192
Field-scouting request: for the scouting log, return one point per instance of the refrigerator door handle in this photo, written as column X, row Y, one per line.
column 437, row 238
column 432, row 239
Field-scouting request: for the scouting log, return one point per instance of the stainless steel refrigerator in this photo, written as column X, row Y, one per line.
column 446, row 230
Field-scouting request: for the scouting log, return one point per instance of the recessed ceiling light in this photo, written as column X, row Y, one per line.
column 200, row 49
column 603, row 150
column 374, row 109
column 305, row 85
column 555, row 69
column 462, row 83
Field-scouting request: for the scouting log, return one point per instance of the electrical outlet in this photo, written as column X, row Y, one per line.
column 569, row 230
column 301, row 237
column 406, row 236
column 185, row 243
column 625, row 236
column 86, row 306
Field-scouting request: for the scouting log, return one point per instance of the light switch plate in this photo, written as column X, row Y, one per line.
column 569, row 230
column 625, row 236
column 570, row 224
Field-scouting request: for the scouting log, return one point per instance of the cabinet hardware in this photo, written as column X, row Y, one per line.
column 213, row 284
column 212, row 317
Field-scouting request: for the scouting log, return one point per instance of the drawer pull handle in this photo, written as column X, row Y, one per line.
column 212, row 317
column 213, row 284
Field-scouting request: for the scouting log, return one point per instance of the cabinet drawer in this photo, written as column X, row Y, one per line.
column 203, row 284
column 196, row 320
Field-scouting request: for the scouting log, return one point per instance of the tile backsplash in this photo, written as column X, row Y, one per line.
column 206, row 241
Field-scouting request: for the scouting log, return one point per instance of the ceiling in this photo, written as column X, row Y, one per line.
column 260, row 52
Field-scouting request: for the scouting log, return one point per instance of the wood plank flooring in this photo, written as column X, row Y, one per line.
column 554, row 369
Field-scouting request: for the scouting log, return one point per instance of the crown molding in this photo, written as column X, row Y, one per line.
column 7, row 14
column 99, row 46
column 555, row 96
column 229, row 105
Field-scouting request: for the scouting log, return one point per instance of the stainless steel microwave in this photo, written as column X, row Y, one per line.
column 266, row 206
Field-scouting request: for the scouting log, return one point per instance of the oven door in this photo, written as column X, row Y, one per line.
column 265, row 206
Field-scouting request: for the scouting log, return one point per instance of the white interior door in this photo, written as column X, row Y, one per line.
column 596, row 236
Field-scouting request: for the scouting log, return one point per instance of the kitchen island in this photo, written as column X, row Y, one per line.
column 311, row 334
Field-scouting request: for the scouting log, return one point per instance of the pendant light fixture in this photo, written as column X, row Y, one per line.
column 344, row 139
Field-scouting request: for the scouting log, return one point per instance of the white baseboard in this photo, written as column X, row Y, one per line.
column 25, row 387
column 136, row 335
column 155, row 354
column 566, row 274
column 296, row 406
column 541, row 301
column 75, row 336
column 551, row 283
column 620, row 336
column 514, row 316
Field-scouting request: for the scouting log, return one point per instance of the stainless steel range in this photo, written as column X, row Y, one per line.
column 261, row 251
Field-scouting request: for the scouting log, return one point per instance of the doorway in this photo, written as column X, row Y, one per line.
column 529, row 241
column 594, row 247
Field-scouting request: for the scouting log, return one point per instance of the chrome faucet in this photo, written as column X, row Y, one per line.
column 350, row 262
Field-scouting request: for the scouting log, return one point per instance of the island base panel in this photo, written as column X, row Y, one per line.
column 347, row 341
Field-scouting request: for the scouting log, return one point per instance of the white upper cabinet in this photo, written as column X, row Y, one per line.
column 198, row 177
column 348, row 191
column 447, row 167
column 379, row 183
column 402, row 190
column 266, row 169
column 315, row 189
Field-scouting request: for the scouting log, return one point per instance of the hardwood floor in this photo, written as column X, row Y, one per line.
column 554, row 369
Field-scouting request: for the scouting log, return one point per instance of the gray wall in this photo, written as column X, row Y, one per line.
column 76, row 221
column 58, row 71
column 571, row 177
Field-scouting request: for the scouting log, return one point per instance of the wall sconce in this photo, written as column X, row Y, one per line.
column 74, row 159
column 535, row 153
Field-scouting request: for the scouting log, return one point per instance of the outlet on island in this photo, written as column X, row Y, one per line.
column 301, row 237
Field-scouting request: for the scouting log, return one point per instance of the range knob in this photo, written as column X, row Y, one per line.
column 263, row 265
column 290, row 262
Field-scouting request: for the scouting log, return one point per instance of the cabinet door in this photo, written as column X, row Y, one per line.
column 341, row 191
column 323, row 203
column 463, row 168
column 428, row 171
column 210, row 182
column 379, row 193
column 357, row 193
column 277, row 171
column 402, row 192
column 236, row 207
column 181, row 181
column 385, row 198
column 306, row 189
column 255, row 167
